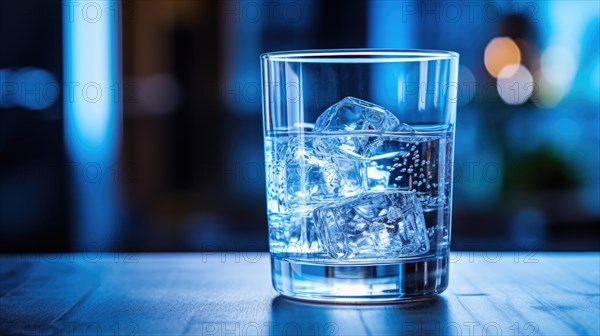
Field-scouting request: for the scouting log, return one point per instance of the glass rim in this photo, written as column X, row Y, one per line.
column 365, row 55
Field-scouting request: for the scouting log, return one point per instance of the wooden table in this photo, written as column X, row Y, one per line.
column 504, row 293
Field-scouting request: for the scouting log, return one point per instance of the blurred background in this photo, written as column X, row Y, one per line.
column 170, row 157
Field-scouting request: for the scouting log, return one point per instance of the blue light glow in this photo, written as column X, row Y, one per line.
column 90, row 52
column 92, row 112
column 389, row 26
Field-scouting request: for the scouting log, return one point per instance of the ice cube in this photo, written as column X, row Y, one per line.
column 353, row 114
column 349, row 115
column 378, row 176
column 313, row 177
column 378, row 224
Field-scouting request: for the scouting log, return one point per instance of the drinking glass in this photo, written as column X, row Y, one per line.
column 358, row 158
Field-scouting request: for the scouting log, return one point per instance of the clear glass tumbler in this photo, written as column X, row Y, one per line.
column 359, row 156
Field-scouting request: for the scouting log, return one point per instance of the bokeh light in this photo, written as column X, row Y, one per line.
column 30, row 88
column 500, row 52
column 515, row 84
column 558, row 65
column 38, row 88
column 548, row 94
column 466, row 85
column 159, row 93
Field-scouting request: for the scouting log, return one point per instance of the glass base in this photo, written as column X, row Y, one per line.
column 369, row 283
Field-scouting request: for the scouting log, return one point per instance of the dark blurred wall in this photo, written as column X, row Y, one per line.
column 33, row 167
column 197, row 168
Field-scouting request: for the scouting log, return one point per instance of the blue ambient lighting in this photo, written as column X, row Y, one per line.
column 385, row 30
column 37, row 89
column 92, row 110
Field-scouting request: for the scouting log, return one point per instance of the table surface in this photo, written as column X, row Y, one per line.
column 494, row 293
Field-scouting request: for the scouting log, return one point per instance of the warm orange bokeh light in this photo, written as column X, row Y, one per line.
column 500, row 52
